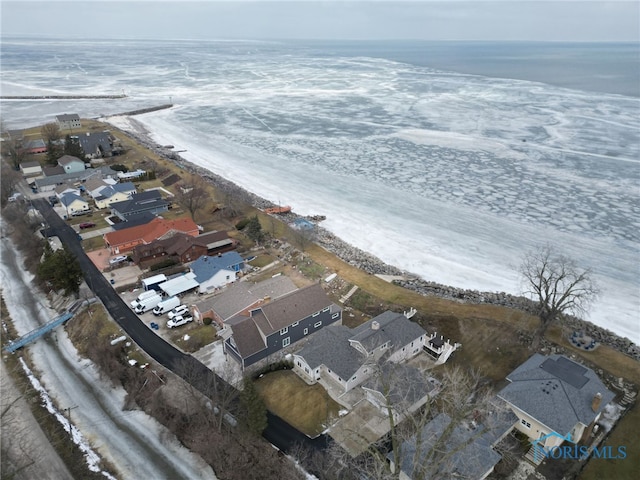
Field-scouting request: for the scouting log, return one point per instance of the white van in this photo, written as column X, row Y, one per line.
column 148, row 304
column 143, row 296
column 166, row 305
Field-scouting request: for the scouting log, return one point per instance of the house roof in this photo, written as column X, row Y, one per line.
column 291, row 308
column 147, row 200
column 407, row 385
column 135, row 220
column 462, row 451
column 68, row 160
column 239, row 296
column 178, row 285
column 555, row 391
column 330, row 347
column 65, row 117
column 68, row 198
column 156, row 228
column 32, row 164
column 247, row 338
column 393, row 327
column 91, row 141
column 111, row 190
column 53, row 171
column 53, row 178
column 206, row 267
column 38, row 143
column 66, row 186
column 216, row 239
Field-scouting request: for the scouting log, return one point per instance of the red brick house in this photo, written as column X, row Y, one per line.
column 127, row 239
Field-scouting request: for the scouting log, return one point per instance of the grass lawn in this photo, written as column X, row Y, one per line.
column 306, row 407
column 261, row 260
column 199, row 336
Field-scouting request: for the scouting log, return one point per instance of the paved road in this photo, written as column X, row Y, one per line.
column 278, row 432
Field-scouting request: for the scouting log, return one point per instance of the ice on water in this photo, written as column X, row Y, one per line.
column 446, row 175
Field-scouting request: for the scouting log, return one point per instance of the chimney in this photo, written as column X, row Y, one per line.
column 375, row 325
column 595, row 403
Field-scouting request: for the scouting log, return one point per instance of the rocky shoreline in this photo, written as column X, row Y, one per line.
column 373, row 265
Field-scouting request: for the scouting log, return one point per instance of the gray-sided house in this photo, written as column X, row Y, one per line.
column 273, row 326
column 49, row 182
column 241, row 297
column 553, row 394
column 68, row 121
column 346, row 356
column 466, row 450
column 217, row 271
column 71, row 164
column 149, row 201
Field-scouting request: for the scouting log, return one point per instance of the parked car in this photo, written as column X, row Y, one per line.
column 15, row 197
column 179, row 310
column 84, row 225
column 118, row 259
column 179, row 320
column 53, row 200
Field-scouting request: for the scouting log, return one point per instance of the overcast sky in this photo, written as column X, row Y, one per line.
column 537, row 20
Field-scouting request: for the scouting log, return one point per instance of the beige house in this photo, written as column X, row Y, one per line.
column 105, row 202
column 555, row 399
column 74, row 205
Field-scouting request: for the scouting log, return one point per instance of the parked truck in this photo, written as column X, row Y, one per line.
column 148, row 304
column 142, row 296
column 153, row 283
column 166, row 305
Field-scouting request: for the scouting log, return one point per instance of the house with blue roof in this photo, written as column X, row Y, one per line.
column 119, row 192
column 74, row 204
column 216, row 272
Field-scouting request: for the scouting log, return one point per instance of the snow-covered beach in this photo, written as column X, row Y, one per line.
column 452, row 177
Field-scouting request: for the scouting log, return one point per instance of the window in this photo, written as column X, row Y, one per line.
column 335, row 315
column 295, row 324
column 284, row 330
column 306, row 330
column 286, row 342
column 325, row 309
column 525, row 423
column 315, row 314
column 317, row 324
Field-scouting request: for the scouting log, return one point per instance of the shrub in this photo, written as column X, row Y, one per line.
column 118, row 167
column 242, row 223
column 169, row 262
column 207, row 320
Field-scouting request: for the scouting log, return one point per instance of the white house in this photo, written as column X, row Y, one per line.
column 349, row 357
column 216, row 272
column 66, row 188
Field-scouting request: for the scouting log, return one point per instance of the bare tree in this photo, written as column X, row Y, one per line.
column 51, row 132
column 9, row 178
column 192, row 195
column 13, row 149
column 558, row 284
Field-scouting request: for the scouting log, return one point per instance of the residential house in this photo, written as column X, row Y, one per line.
column 217, row 271
column 132, row 221
column 71, row 164
column 118, row 192
column 555, row 395
column 399, row 389
column 149, row 201
column 180, row 247
column 33, row 147
column 95, row 184
column 96, row 144
column 65, row 188
column 276, row 325
column 31, row 169
column 68, row 121
column 74, row 204
column 51, row 180
column 348, row 356
column 127, row 239
column 463, row 450
column 53, row 171
column 239, row 298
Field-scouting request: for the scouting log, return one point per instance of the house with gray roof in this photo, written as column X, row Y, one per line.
column 68, row 121
column 555, row 394
column 241, row 297
column 149, row 201
column 95, row 144
column 216, row 271
column 71, row 164
column 114, row 193
column 49, row 182
column 465, row 450
column 31, row 169
column 349, row 357
column 74, row 204
column 273, row 326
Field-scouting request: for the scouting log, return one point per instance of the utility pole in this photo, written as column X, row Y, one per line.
column 68, row 410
